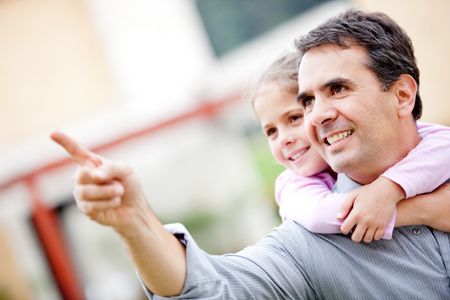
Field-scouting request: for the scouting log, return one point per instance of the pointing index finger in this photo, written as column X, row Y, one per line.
column 77, row 152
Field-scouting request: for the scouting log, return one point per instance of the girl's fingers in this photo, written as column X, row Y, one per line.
column 346, row 207
column 369, row 235
column 358, row 234
column 379, row 234
column 348, row 225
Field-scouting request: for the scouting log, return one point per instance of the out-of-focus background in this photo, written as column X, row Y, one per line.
column 160, row 84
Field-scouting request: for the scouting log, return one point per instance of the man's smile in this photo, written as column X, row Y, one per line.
column 337, row 137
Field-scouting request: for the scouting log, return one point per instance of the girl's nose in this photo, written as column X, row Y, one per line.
column 287, row 140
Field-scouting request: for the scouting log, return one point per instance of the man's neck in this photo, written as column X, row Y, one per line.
column 400, row 147
column 345, row 184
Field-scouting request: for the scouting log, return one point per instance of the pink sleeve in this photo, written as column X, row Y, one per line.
column 310, row 202
column 427, row 166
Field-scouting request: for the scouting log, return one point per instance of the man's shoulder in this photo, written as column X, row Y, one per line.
column 294, row 237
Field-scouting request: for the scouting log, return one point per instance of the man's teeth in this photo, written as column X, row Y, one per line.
column 339, row 136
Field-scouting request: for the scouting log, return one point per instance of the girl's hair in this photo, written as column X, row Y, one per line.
column 283, row 72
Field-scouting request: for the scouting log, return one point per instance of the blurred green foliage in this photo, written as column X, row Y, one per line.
column 265, row 164
column 4, row 295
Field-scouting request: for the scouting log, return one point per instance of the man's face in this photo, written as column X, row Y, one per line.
column 348, row 117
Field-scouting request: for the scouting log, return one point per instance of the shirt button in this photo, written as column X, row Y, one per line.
column 416, row 230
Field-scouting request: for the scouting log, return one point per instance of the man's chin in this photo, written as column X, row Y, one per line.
column 339, row 164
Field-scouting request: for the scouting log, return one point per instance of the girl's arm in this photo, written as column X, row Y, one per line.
column 427, row 166
column 310, row 202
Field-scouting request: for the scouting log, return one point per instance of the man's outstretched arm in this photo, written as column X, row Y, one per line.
column 110, row 194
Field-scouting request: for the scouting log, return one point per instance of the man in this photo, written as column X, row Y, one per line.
column 351, row 70
column 341, row 93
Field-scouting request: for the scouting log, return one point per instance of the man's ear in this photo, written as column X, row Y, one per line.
column 406, row 89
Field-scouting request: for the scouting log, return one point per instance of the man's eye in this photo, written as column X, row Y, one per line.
column 336, row 89
column 308, row 101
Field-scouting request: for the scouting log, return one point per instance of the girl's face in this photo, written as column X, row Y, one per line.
column 281, row 119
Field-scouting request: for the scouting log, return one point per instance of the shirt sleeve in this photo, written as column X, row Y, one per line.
column 427, row 166
column 311, row 202
column 262, row 271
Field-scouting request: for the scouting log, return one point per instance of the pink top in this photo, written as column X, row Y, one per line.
column 428, row 165
column 311, row 202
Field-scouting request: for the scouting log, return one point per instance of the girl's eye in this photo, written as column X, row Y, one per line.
column 270, row 132
column 293, row 118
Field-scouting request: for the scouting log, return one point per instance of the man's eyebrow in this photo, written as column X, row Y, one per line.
column 326, row 85
column 334, row 82
column 301, row 96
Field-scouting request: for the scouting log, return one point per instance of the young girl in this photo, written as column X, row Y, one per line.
column 304, row 190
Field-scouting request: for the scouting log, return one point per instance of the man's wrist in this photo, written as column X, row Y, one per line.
column 140, row 222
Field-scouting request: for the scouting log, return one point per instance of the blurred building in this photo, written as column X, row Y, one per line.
column 161, row 85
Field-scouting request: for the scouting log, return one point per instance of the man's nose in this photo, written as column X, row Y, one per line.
column 322, row 112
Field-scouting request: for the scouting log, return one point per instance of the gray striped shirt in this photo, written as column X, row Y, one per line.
column 293, row 263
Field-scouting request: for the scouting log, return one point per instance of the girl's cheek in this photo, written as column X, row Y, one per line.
column 279, row 158
column 275, row 152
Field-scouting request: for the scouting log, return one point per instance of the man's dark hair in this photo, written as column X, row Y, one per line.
column 389, row 48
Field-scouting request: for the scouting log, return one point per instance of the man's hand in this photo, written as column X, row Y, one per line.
column 368, row 210
column 110, row 194
column 106, row 191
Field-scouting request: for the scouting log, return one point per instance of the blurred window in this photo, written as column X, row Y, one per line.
column 230, row 23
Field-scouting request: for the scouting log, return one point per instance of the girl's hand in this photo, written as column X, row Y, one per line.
column 369, row 209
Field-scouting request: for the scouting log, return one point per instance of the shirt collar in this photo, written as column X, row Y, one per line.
column 345, row 184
